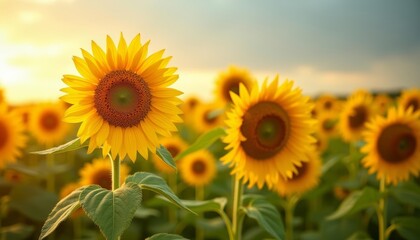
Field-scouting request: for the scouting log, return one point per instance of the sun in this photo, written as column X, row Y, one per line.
column 229, row 80
column 12, row 137
column 393, row 145
column 122, row 98
column 269, row 130
column 198, row 168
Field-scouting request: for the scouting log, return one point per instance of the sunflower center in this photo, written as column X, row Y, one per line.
column 122, row 98
column 103, row 178
column 266, row 127
column 328, row 105
column 198, row 167
column 328, row 125
column 174, row 150
column 209, row 118
column 4, row 134
column 231, row 86
column 49, row 121
column 301, row 170
column 396, row 143
column 413, row 103
column 359, row 117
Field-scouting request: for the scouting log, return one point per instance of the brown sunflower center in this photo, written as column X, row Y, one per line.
column 174, row 150
column 49, row 121
column 198, row 167
column 328, row 125
column 4, row 135
column 359, row 117
column 413, row 103
column 231, row 85
column 192, row 103
column 328, row 105
column 103, row 178
column 122, row 98
column 266, row 127
column 396, row 143
column 209, row 117
column 301, row 170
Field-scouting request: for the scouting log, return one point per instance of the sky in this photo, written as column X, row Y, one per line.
column 325, row 46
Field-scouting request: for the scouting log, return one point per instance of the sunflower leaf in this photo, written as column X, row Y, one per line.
column 265, row 214
column 152, row 182
column 61, row 211
column 66, row 147
column 166, row 156
column 356, row 201
column 203, row 141
column 112, row 211
column 214, row 205
column 407, row 227
column 407, row 193
column 165, row 236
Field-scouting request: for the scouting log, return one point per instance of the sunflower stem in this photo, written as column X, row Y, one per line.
column 289, row 209
column 381, row 211
column 115, row 173
column 237, row 203
column 199, row 196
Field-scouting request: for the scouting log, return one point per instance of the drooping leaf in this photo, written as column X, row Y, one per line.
column 61, row 211
column 407, row 227
column 112, row 211
column 67, row 147
column 32, row 201
column 407, row 193
column 166, row 156
column 265, row 214
column 152, row 182
column 165, row 236
column 213, row 205
column 203, row 141
column 17, row 231
column 355, row 202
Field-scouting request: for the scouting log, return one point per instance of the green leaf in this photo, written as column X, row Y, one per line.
column 407, row 193
column 203, row 141
column 61, row 211
column 32, row 201
column 213, row 205
column 17, row 231
column 165, row 236
column 330, row 163
column 407, row 227
column 152, row 182
column 355, row 202
column 67, row 147
column 359, row 235
column 265, row 214
column 166, row 156
column 112, row 211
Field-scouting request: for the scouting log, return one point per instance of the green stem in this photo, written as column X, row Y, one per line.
column 389, row 230
column 381, row 211
column 50, row 178
column 115, row 173
column 237, row 203
column 199, row 196
column 227, row 223
column 289, row 209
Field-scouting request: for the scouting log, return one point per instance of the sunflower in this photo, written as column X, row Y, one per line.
column 122, row 99
column 306, row 177
column 189, row 107
column 229, row 81
column 327, row 103
column 393, row 145
column 327, row 124
column 410, row 98
column 321, row 142
column 382, row 102
column 198, row 168
column 208, row 116
column 99, row 172
column 46, row 125
column 356, row 113
column 23, row 112
column 3, row 103
column 12, row 138
column 175, row 145
column 268, row 132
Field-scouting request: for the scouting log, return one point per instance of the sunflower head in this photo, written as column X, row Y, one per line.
column 327, row 124
column 99, row 172
column 175, row 145
column 189, row 107
column 268, row 132
column 46, row 125
column 229, row 80
column 393, row 145
column 122, row 98
column 356, row 113
column 306, row 177
column 382, row 102
column 410, row 99
column 208, row 116
column 327, row 103
column 12, row 137
column 198, row 168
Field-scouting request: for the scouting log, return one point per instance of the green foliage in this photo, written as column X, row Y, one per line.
column 265, row 214
column 203, row 141
column 407, row 227
column 165, row 236
column 213, row 205
column 112, row 211
column 32, row 201
column 407, row 193
column 355, row 202
column 166, row 156
column 61, row 212
column 67, row 147
column 152, row 182
column 17, row 231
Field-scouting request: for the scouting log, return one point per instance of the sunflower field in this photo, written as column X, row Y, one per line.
column 124, row 155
